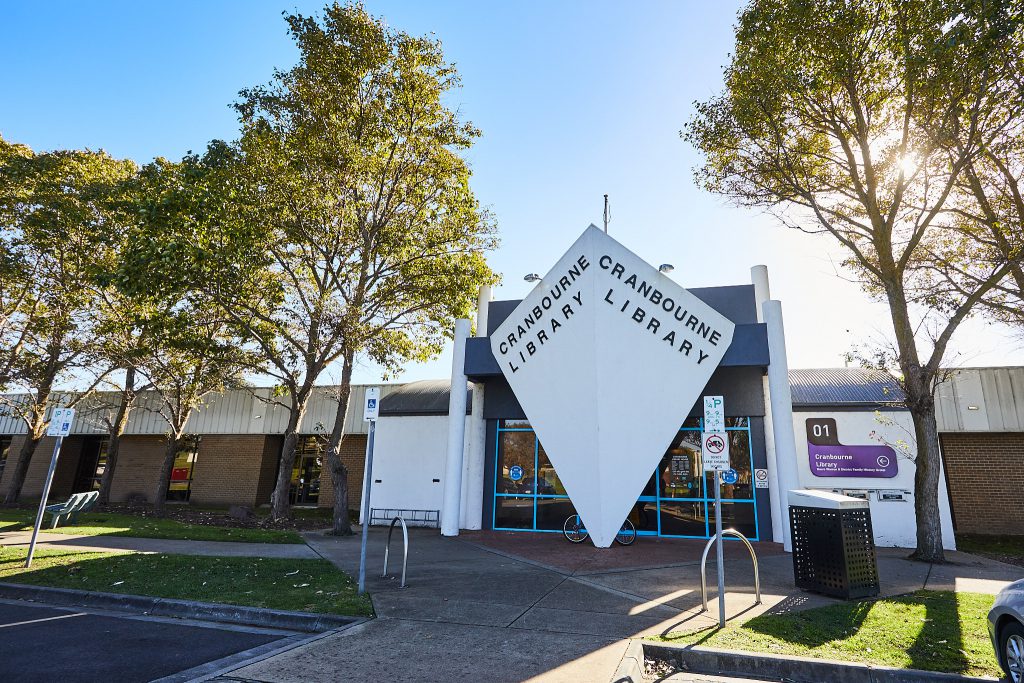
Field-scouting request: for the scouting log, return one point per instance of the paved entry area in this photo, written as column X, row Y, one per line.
column 497, row 606
column 45, row 644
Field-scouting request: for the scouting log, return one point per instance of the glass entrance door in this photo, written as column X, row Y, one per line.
column 92, row 462
column 305, row 483
column 678, row 500
column 681, row 490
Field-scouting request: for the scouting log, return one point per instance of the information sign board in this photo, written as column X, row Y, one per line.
column 715, row 451
column 714, row 414
column 371, row 404
column 760, row 479
column 61, row 421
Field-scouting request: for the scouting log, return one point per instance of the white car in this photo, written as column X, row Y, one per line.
column 1006, row 628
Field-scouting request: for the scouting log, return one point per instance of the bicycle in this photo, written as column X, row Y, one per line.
column 575, row 532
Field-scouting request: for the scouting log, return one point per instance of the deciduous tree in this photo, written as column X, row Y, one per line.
column 54, row 215
column 177, row 337
column 871, row 121
column 354, row 168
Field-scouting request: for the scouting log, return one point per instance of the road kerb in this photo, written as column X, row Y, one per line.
column 308, row 622
column 699, row 660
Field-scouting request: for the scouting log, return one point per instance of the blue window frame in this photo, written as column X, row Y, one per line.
column 678, row 501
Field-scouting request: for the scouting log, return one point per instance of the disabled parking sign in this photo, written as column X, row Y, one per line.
column 371, row 407
column 60, row 422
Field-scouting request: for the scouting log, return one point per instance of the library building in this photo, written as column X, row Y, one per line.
column 586, row 397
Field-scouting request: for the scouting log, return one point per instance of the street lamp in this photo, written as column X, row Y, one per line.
column 532, row 277
column 666, row 268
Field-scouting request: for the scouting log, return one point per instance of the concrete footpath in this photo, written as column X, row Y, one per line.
column 298, row 551
column 490, row 606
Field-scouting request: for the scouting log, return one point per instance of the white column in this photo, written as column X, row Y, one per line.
column 483, row 306
column 456, row 434
column 762, row 290
column 777, row 500
column 782, row 413
column 473, row 494
column 476, row 437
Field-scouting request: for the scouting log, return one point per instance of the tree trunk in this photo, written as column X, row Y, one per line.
column 339, row 472
column 36, row 430
column 926, row 487
column 280, row 508
column 164, row 480
column 116, row 430
column 917, row 383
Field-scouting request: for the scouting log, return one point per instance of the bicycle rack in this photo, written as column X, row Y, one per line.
column 704, row 573
column 405, row 549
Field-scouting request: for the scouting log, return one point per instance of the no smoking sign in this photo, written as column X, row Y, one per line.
column 715, row 450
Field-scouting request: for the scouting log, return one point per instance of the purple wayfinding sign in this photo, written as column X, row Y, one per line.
column 829, row 458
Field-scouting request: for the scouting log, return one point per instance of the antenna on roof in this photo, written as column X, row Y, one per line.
column 607, row 214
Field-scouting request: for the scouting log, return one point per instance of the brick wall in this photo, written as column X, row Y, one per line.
column 353, row 454
column 63, row 477
column 268, row 470
column 12, row 458
column 138, row 468
column 985, row 476
column 228, row 469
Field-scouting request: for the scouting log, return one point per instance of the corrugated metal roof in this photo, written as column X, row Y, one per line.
column 974, row 399
column 843, row 387
column 426, row 397
column 981, row 400
column 238, row 411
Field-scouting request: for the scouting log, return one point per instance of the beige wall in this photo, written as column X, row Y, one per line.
column 228, row 470
column 63, row 477
column 138, row 468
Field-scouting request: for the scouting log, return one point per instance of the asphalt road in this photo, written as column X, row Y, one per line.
column 40, row 643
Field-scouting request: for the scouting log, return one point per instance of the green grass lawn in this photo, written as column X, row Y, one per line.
column 120, row 524
column 930, row 630
column 304, row 585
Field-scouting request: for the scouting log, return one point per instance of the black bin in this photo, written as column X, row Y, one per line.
column 833, row 547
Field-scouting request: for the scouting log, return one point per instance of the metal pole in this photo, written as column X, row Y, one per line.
column 719, row 551
column 42, row 501
column 366, row 507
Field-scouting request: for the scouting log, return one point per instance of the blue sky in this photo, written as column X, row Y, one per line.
column 575, row 99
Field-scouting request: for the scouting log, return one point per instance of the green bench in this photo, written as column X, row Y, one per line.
column 68, row 511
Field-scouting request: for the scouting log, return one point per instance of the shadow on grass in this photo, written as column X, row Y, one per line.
column 302, row 585
column 926, row 627
column 942, row 636
column 815, row 627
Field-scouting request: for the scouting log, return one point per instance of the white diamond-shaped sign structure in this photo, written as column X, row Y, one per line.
column 606, row 356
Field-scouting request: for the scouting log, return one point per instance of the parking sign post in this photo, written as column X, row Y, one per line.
column 719, row 550
column 715, row 455
column 60, row 426
column 371, row 409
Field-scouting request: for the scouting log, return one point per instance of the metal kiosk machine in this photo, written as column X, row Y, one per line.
column 833, row 545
